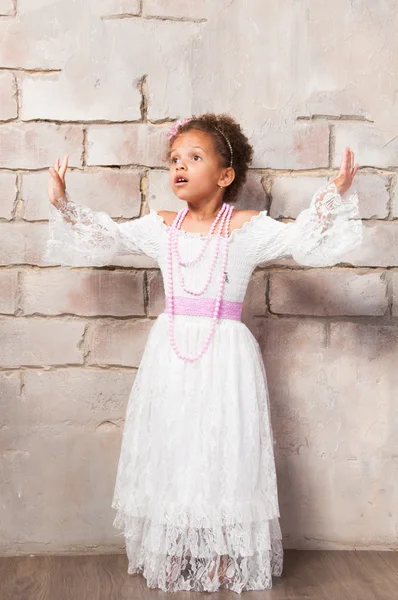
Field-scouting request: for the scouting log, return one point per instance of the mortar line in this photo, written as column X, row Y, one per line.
column 133, row 319
column 18, row 97
column 146, row 293
column 296, row 268
column 84, row 152
column 341, row 117
column 83, row 344
column 266, row 183
column 315, row 173
column 390, row 295
column 71, row 317
column 266, row 173
column 391, row 188
column 68, row 366
column 267, row 292
column 21, row 385
column 32, row 71
column 14, row 209
column 124, row 16
column 144, row 180
column 142, row 86
column 19, row 295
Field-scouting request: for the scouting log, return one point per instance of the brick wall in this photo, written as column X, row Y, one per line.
column 100, row 80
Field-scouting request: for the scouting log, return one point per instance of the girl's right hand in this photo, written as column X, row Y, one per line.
column 56, row 185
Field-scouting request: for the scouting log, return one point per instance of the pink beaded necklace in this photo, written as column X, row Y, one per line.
column 224, row 215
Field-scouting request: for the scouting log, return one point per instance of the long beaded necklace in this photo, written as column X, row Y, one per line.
column 224, row 214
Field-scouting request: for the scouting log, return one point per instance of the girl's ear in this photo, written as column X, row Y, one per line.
column 227, row 176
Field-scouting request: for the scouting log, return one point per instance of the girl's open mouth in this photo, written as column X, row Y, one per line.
column 180, row 180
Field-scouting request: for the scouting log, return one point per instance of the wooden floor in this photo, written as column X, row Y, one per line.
column 308, row 575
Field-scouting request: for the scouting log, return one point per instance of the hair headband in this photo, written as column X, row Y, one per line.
column 229, row 145
column 173, row 131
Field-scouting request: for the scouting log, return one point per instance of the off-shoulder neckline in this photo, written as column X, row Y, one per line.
column 197, row 234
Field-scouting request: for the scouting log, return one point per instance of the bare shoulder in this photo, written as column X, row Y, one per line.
column 168, row 216
column 240, row 217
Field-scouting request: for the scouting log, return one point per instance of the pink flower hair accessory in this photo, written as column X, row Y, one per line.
column 172, row 132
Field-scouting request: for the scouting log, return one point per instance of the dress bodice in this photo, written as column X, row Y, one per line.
column 238, row 271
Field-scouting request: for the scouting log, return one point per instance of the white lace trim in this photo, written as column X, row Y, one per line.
column 79, row 236
column 235, row 557
column 321, row 235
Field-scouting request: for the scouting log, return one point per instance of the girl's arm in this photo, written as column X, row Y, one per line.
column 323, row 233
column 79, row 236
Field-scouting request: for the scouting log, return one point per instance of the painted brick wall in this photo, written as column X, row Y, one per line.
column 101, row 80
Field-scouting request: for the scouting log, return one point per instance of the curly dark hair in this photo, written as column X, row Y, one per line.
column 242, row 150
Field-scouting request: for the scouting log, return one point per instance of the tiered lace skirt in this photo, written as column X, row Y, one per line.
column 196, row 490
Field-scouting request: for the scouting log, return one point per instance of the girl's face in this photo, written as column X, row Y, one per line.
column 195, row 167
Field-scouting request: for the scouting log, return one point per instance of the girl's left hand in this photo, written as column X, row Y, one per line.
column 346, row 174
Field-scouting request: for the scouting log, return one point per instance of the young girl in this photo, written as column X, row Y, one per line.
column 196, row 488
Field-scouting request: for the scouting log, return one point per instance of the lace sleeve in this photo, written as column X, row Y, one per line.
column 79, row 236
column 321, row 235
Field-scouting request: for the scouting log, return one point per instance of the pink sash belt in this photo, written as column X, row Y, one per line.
column 204, row 307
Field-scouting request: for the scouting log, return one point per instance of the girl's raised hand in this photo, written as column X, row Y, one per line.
column 56, row 184
column 346, row 174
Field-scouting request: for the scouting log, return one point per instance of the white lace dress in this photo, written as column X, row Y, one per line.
column 196, row 488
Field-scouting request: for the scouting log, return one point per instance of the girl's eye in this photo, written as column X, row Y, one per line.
column 196, row 156
column 174, row 159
